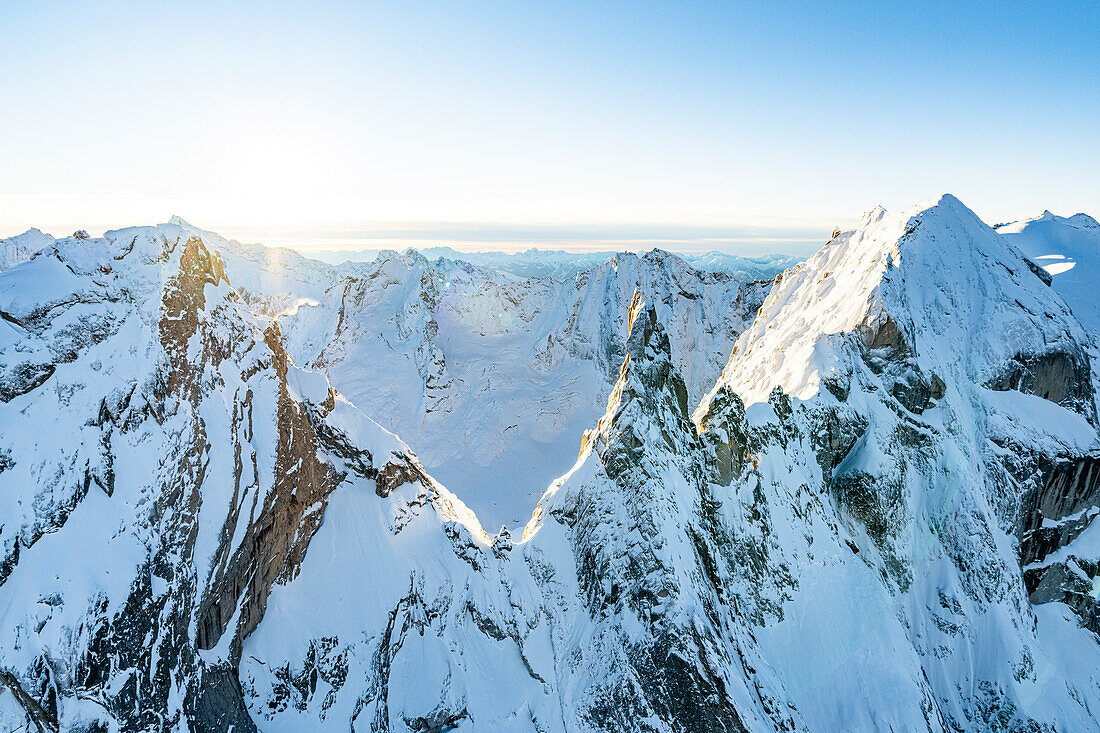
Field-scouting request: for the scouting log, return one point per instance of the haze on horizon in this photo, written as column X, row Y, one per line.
column 689, row 126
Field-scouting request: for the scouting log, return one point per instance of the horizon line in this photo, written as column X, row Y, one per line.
column 474, row 237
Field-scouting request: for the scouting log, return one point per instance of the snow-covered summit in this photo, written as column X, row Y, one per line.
column 22, row 247
column 933, row 282
column 1069, row 249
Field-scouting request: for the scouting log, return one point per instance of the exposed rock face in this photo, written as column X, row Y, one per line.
column 276, row 539
column 183, row 302
column 1055, row 514
column 23, row 378
column 42, row 719
column 1062, row 377
column 1070, row 583
column 670, row 672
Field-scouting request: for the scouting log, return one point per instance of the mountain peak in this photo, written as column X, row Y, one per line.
column 934, row 276
column 873, row 215
column 648, row 367
column 1068, row 248
column 1084, row 220
column 649, row 394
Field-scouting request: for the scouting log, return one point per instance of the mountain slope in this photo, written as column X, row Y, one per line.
column 170, row 466
column 1069, row 249
column 956, row 393
column 611, row 613
column 491, row 377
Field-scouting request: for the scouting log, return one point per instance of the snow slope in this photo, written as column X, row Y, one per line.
column 1069, row 249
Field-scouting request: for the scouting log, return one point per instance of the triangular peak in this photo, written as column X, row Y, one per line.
column 936, row 272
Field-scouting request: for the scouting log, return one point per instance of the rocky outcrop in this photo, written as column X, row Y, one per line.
column 1059, row 376
column 673, row 670
column 22, row 378
column 1070, row 583
column 276, row 539
column 183, row 300
column 1064, row 504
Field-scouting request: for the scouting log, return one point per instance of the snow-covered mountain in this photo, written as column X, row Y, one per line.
column 21, row 247
column 878, row 517
column 164, row 465
column 1069, row 249
column 562, row 265
column 933, row 393
column 491, row 376
column 493, row 379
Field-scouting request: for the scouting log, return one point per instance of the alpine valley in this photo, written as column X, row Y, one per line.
column 630, row 493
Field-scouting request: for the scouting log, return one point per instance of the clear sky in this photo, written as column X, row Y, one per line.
column 736, row 126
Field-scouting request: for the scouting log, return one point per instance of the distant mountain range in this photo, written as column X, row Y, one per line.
column 564, row 265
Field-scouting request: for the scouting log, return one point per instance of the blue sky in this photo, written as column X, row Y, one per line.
column 505, row 124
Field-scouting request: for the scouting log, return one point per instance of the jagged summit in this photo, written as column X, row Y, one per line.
column 647, row 371
column 1084, row 220
column 648, row 393
column 636, row 512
